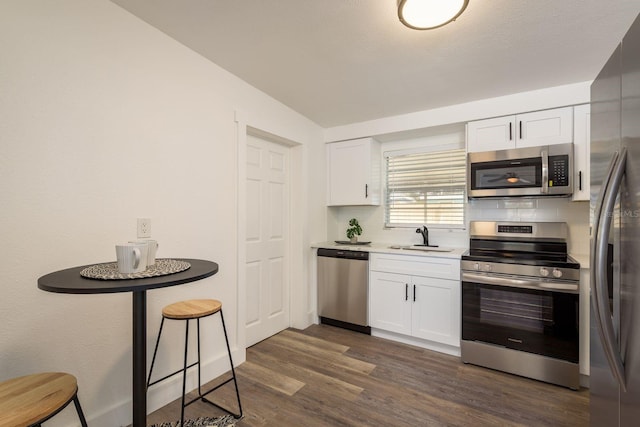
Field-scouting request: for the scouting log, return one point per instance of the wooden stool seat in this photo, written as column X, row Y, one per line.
column 192, row 309
column 32, row 399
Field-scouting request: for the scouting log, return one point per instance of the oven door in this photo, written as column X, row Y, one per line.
column 533, row 318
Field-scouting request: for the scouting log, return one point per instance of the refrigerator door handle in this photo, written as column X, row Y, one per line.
column 597, row 216
column 600, row 290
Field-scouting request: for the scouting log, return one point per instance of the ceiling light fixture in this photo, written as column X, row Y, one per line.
column 429, row 14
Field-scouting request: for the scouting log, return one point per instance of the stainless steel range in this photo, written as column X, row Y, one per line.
column 520, row 293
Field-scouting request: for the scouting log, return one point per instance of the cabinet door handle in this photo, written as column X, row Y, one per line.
column 406, row 292
column 510, row 133
column 414, row 293
column 366, row 191
column 580, row 180
column 520, row 130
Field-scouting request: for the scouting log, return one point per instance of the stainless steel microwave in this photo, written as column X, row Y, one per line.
column 521, row 172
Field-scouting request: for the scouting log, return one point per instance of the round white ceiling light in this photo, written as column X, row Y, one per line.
column 429, row 14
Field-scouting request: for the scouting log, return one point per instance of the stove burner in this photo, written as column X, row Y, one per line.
column 520, row 249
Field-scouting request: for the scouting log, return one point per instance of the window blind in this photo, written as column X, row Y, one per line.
column 426, row 188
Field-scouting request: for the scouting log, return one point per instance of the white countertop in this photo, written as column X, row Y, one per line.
column 386, row 248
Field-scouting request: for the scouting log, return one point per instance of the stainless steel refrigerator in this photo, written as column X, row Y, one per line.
column 615, row 237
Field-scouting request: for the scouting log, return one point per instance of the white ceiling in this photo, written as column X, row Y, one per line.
column 346, row 61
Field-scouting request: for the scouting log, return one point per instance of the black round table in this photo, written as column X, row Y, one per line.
column 69, row 281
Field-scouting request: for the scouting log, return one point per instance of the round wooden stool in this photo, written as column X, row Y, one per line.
column 189, row 310
column 33, row 399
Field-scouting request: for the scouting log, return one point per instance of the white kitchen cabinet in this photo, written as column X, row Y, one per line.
column 389, row 306
column 491, row 134
column 353, row 172
column 533, row 129
column 423, row 304
column 436, row 310
column 581, row 152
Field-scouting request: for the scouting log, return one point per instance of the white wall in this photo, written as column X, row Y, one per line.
column 572, row 94
column 104, row 119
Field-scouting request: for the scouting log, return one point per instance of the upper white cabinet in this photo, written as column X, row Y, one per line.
column 545, row 127
column 491, row 134
column 353, row 172
column 581, row 151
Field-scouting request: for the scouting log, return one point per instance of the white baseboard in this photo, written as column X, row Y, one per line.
column 159, row 395
column 429, row 345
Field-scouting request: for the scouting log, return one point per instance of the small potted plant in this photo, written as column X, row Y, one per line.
column 354, row 230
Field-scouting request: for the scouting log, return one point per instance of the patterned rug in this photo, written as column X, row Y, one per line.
column 225, row 421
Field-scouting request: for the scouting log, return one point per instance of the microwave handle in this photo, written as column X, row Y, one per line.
column 545, row 172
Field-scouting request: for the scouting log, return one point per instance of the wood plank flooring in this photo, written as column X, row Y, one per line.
column 327, row 376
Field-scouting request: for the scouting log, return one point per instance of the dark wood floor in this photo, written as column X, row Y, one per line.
column 326, row 376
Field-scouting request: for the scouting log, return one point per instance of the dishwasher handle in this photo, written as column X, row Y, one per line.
column 341, row 253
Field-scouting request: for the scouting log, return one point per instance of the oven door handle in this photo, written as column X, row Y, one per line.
column 599, row 281
column 513, row 282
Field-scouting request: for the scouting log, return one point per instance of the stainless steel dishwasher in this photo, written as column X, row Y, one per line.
column 343, row 284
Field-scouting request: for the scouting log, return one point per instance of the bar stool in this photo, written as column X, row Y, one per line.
column 33, row 399
column 188, row 310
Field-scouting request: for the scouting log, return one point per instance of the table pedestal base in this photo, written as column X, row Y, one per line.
column 139, row 359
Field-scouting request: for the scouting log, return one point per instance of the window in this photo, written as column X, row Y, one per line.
column 425, row 188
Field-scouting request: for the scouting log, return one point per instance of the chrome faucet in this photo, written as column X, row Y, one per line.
column 425, row 235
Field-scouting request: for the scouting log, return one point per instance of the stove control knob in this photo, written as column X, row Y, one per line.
column 487, row 267
column 557, row 273
column 544, row 272
column 476, row 266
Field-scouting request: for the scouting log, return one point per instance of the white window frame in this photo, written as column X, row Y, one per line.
column 461, row 184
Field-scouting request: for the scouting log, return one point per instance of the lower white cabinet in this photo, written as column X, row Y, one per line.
column 436, row 310
column 424, row 306
column 389, row 306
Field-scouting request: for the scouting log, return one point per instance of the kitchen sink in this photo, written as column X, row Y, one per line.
column 421, row 248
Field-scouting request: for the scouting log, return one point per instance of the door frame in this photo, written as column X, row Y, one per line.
column 244, row 127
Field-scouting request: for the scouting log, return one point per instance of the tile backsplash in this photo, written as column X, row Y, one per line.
column 371, row 218
column 575, row 214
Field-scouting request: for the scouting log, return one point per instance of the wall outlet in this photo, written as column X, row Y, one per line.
column 144, row 227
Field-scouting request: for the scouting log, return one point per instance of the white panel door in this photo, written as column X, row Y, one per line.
column 349, row 172
column 545, row 127
column 267, row 260
column 491, row 134
column 389, row 302
column 436, row 310
column 581, row 152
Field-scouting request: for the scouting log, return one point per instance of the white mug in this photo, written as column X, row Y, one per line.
column 152, row 248
column 132, row 257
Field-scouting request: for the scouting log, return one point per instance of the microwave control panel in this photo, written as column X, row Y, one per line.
column 558, row 171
